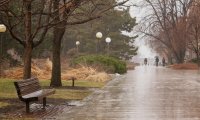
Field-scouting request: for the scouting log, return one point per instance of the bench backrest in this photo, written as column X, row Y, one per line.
column 27, row 86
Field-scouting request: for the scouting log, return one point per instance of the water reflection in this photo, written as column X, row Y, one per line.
column 146, row 93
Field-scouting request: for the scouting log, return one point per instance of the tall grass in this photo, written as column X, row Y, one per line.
column 109, row 64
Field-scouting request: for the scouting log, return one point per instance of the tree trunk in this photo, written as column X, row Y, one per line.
column 28, row 47
column 179, row 56
column 56, row 67
column 179, row 60
column 58, row 33
column 27, row 62
column 198, row 60
column 169, row 58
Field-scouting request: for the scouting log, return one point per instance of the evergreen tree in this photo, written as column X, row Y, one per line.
column 111, row 25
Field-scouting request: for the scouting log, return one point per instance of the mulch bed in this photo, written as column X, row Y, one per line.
column 17, row 109
column 37, row 112
column 184, row 66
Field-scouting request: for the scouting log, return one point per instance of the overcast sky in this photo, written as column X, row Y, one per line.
column 139, row 13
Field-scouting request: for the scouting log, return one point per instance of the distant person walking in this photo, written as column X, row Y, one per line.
column 157, row 61
column 145, row 61
column 163, row 61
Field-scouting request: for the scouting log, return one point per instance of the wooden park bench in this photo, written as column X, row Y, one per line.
column 30, row 90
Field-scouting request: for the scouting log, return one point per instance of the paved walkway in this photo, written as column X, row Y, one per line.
column 147, row 93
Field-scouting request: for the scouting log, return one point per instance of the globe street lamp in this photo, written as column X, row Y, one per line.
column 99, row 35
column 108, row 40
column 77, row 46
column 2, row 29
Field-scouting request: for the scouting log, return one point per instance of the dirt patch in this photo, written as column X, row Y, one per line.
column 184, row 66
column 37, row 112
column 14, row 104
column 16, row 109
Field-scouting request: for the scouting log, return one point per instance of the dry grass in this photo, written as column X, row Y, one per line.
column 78, row 73
column 86, row 73
column 99, row 77
column 42, row 70
column 184, row 66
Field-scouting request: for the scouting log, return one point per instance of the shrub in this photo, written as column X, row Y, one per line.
column 108, row 64
column 195, row 60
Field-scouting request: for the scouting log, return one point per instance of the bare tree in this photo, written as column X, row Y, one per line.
column 168, row 17
column 25, row 22
column 28, row 22
column 194, row 29
column 161, row 49
column 74, row 12
column 3, row 2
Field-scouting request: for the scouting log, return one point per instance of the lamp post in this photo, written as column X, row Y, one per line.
column 2, row 29
column 99, row 35
column 77, row 46
column 108, row 40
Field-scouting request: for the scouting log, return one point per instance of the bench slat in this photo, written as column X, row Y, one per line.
column 29, row 89
column 39, row 94
column 30, row 86
column 26, row 80
column 28, row 83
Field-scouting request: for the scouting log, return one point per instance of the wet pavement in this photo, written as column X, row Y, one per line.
column 147, row 93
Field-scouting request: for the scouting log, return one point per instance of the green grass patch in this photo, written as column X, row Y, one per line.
column 73, row 94
column 79, row 83
column 70, row 94
column 7, row 89
column 3, row 104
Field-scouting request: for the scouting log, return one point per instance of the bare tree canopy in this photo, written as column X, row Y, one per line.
column 29, row 22
column 3, row 2
column 166, row 22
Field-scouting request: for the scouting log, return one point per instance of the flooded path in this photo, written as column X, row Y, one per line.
column 147, row 93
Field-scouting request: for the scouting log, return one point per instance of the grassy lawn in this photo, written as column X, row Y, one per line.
column 7, row 90
column 4, row 104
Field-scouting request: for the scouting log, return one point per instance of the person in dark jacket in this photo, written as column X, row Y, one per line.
column 163, row 61
column 145, row 61
column 157, row 61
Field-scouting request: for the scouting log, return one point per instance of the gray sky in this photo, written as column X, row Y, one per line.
column 144, row 49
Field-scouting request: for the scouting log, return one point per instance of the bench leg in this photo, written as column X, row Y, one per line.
column 44, row 102
column 27, row 107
